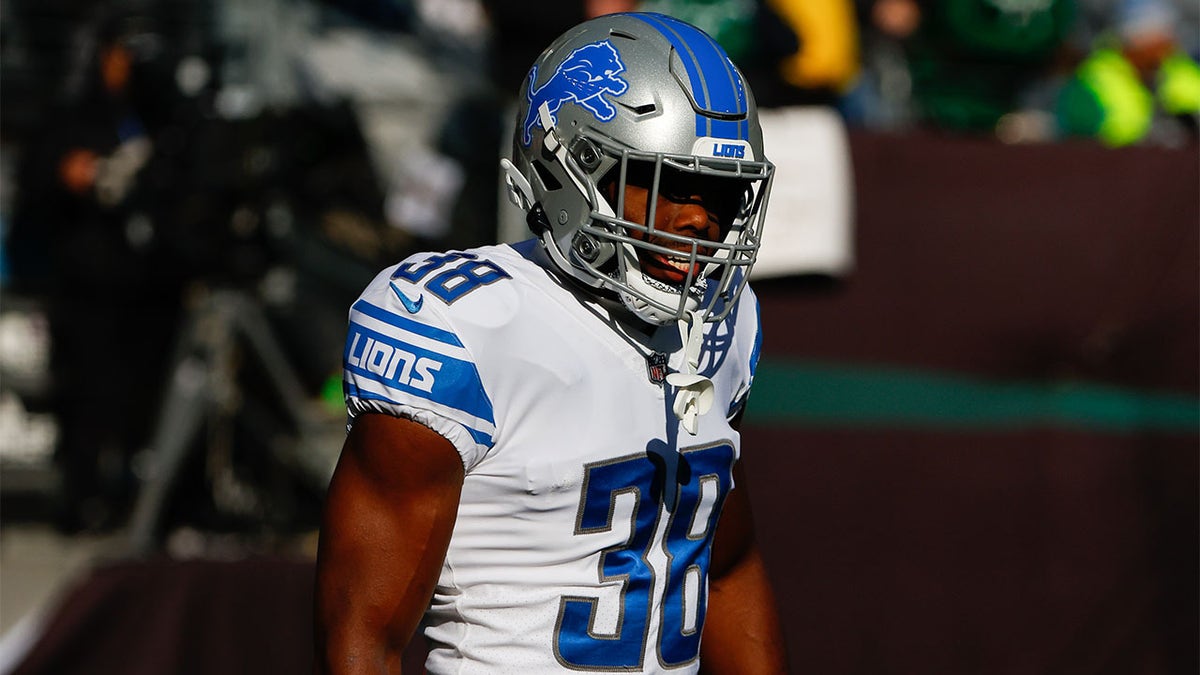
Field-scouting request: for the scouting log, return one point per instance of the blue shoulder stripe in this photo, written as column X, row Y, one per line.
column 406, row 324
column 415, row 372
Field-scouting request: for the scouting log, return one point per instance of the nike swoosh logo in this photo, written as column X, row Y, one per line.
column 413, row 306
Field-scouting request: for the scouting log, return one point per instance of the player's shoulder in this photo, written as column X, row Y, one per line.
column 733, row 345
column 750, row 313
column 750, row 317
column 748, row 302
column 460, row 291
column 744, row 321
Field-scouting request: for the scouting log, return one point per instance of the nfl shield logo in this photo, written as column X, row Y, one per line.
column 656, row 367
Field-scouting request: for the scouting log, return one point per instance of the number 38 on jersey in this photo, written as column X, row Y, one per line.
column 666, row 555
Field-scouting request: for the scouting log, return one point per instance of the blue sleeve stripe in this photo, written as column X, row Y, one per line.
column 406, row 324
column 700, row 56
column 481, row 437
column 481, row 430
column 416, row 371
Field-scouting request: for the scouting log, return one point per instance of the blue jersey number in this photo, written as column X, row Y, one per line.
column 451, row 284
column 705, row 477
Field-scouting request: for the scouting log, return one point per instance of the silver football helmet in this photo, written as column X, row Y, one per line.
column 648, row 100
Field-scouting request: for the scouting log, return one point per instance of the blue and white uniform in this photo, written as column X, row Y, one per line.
column 584, row 530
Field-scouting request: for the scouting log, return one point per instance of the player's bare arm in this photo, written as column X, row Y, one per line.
column 741, row 631
column 388, row 517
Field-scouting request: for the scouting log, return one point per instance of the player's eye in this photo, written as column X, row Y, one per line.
column 637, row 174
column 726, row 198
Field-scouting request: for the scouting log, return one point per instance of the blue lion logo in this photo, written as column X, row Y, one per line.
column 584, row 77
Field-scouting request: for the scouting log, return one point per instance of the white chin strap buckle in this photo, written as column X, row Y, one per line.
column 694, row 393
column 517, row 187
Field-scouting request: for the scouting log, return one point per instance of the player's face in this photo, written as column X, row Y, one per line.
column 687, row 205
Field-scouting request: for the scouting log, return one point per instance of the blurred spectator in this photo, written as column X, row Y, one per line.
column 825, row 62
column 1137, row 82
column 111, row 310
column 970, row 61
column 882, row 95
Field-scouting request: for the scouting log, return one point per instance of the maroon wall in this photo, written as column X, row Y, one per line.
column 1035, row 548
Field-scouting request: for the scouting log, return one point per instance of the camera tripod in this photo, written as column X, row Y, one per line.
column 203, row 394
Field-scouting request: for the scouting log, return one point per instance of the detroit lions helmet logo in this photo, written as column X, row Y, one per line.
column 584, row 78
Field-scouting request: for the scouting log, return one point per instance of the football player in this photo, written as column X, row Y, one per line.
column 541, row 473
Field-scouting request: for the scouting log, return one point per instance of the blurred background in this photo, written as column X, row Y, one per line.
column 975, row 431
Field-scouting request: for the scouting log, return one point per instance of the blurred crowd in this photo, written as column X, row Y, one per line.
column 156, row 152
column 1119, row 71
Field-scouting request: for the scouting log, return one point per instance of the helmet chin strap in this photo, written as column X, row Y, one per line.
column 694, row 393
column 555, row 145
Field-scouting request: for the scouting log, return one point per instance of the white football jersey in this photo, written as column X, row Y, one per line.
column 584, row 531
